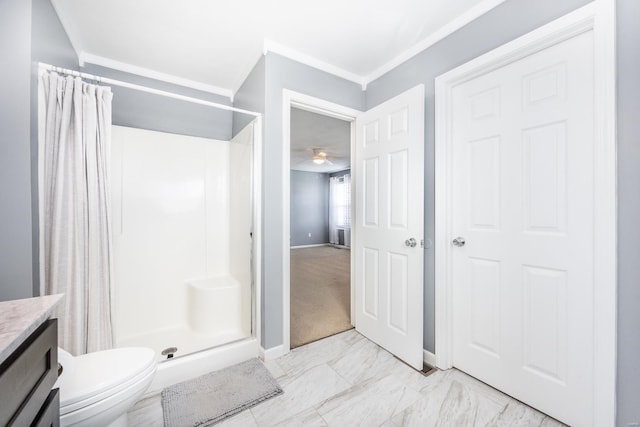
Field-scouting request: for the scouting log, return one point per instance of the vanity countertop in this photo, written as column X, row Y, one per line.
column 19, row 318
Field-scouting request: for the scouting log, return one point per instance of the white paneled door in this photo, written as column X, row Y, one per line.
column 389, row 225
column 523, row 224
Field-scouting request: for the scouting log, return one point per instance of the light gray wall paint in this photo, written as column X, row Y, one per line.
column 309, row 208
column 282, row 73
column 628, row 57
column 250, row 96
column 506, row 22
column 49, row 44
column 15, row 164
column 142, row 110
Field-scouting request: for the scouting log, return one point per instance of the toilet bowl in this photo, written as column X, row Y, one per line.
column 97, row 389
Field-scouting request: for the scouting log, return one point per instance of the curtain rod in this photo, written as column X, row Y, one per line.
column 42, row 67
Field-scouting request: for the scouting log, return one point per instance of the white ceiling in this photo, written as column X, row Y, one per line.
column 312, row 130
column 213, row 44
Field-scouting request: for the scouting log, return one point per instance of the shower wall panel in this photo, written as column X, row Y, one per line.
column 240, row 247
column 170, row 219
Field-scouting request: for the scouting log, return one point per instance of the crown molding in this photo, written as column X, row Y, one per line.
column 444, row 31
column 280, row 49
column 87, row 58
column 273, row 47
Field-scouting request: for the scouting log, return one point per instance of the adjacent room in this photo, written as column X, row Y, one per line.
column 250, row 213
column 320, row 218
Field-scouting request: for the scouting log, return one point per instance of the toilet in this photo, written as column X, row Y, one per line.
column 97, row 389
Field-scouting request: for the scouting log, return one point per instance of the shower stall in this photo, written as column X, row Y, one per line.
column 184, row 248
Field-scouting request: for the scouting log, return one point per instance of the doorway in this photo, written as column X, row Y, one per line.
column 317, row 153
column 320, row 226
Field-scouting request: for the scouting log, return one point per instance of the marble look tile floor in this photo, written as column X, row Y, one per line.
column 346, row 380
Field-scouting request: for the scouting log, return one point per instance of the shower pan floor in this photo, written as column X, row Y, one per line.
column 183, row 338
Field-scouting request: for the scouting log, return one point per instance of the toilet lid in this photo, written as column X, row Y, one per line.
column 102, row 372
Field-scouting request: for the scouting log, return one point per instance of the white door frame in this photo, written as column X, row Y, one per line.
column 256, row 323
column 326, row 108
column 598, row 16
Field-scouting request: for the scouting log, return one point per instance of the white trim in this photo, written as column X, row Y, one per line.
column 444, row 31
column 87, row 58
column 605, row 271
column 321, row 106
column 599, row 17
column 286, row 220
column 272, row 353
column 257, row 226
column 311, row 246
column 303, row 58
column 354, row 214
column 280, row 49
column 429, row 358
column 363, row 80
column 313, row 109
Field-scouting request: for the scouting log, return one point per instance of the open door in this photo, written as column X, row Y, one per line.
column 389, row 224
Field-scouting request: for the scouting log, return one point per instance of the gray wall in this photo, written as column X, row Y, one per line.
column 628, row 50
column 282, row 73
column 250, row 96
column 15, row 163
column 506, row 22
column 309, row 208
column 49, row 44
column 142, row 110
column 30, row 32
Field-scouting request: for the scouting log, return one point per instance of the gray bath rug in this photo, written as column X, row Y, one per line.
column 213, row 397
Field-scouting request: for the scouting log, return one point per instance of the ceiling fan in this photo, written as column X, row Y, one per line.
column 320, row 157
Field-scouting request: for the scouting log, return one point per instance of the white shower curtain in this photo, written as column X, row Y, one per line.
column 74, row 133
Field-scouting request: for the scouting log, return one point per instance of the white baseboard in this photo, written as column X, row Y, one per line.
column 272, row 353
column 429, row 358
column 311, row 246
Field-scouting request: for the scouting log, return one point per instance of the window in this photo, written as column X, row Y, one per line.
column 339, row 206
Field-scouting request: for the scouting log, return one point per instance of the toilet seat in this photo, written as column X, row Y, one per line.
column 95, row 377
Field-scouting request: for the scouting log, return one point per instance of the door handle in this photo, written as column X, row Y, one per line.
column 458, row 241
column 410, row 242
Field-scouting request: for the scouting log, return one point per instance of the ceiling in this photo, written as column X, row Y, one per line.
column 214, row 44
column 312, row 130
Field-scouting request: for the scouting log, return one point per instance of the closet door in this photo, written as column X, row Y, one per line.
column 523, row 220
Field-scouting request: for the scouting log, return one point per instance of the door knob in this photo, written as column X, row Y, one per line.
column 410, row 242
column 458, row 241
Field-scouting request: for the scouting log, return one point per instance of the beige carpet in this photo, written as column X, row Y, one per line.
column 320, row 293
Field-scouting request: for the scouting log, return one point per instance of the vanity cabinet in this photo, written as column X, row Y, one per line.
column 26, row 378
